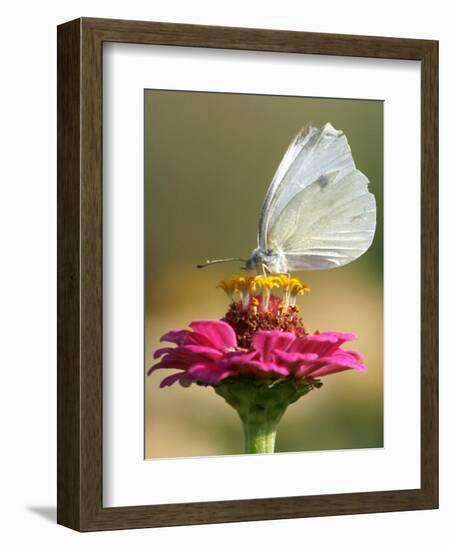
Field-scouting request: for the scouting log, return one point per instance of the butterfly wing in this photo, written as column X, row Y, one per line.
column 318, row 211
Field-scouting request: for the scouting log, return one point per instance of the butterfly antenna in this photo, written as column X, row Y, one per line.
column 211, row 262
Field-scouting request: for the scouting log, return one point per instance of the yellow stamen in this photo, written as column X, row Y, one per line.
column 266, row 284
column 291, row 286
column 229, row 286
column 244, row 287
column 241, row 285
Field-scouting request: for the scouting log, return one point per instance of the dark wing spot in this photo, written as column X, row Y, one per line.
column 323, row 181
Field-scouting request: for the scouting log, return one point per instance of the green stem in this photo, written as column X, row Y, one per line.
column 259, row 437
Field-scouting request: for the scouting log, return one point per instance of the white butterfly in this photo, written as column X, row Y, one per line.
column 318, row 212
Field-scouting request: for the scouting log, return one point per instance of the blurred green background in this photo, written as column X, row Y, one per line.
column 209, row 158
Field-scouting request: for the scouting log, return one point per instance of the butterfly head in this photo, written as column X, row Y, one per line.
column 267, row 260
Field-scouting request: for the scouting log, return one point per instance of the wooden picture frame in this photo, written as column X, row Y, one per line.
column 80, row 503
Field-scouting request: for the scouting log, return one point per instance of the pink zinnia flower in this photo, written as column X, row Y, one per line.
column 209, row 354
column 259, row 357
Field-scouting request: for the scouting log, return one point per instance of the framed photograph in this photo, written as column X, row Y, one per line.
column 247, row 274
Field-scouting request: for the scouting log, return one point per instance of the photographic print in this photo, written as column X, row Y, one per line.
column 263, row 274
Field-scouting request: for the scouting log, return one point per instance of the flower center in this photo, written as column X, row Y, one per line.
column 263, row 303
column 247, row 320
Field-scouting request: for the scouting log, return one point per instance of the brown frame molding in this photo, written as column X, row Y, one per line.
column 80, row 274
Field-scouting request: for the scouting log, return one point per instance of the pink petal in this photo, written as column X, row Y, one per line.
column 291, row 358
column 185, row 337
column 205, row 351
column 171, row 379
column 262, row 368
column 357, row 356
column 177, row 336
column 207, row 373
column 345, row 358
column 328, row 369
column 167, row 365
column 245, row 363
column 339, row 361
column 266, row 341
column 307, row 369
column 191, row 354
column 322, row 344
column 161, row 351
column 177, row 355
column 237, row 358
column 219, row 334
